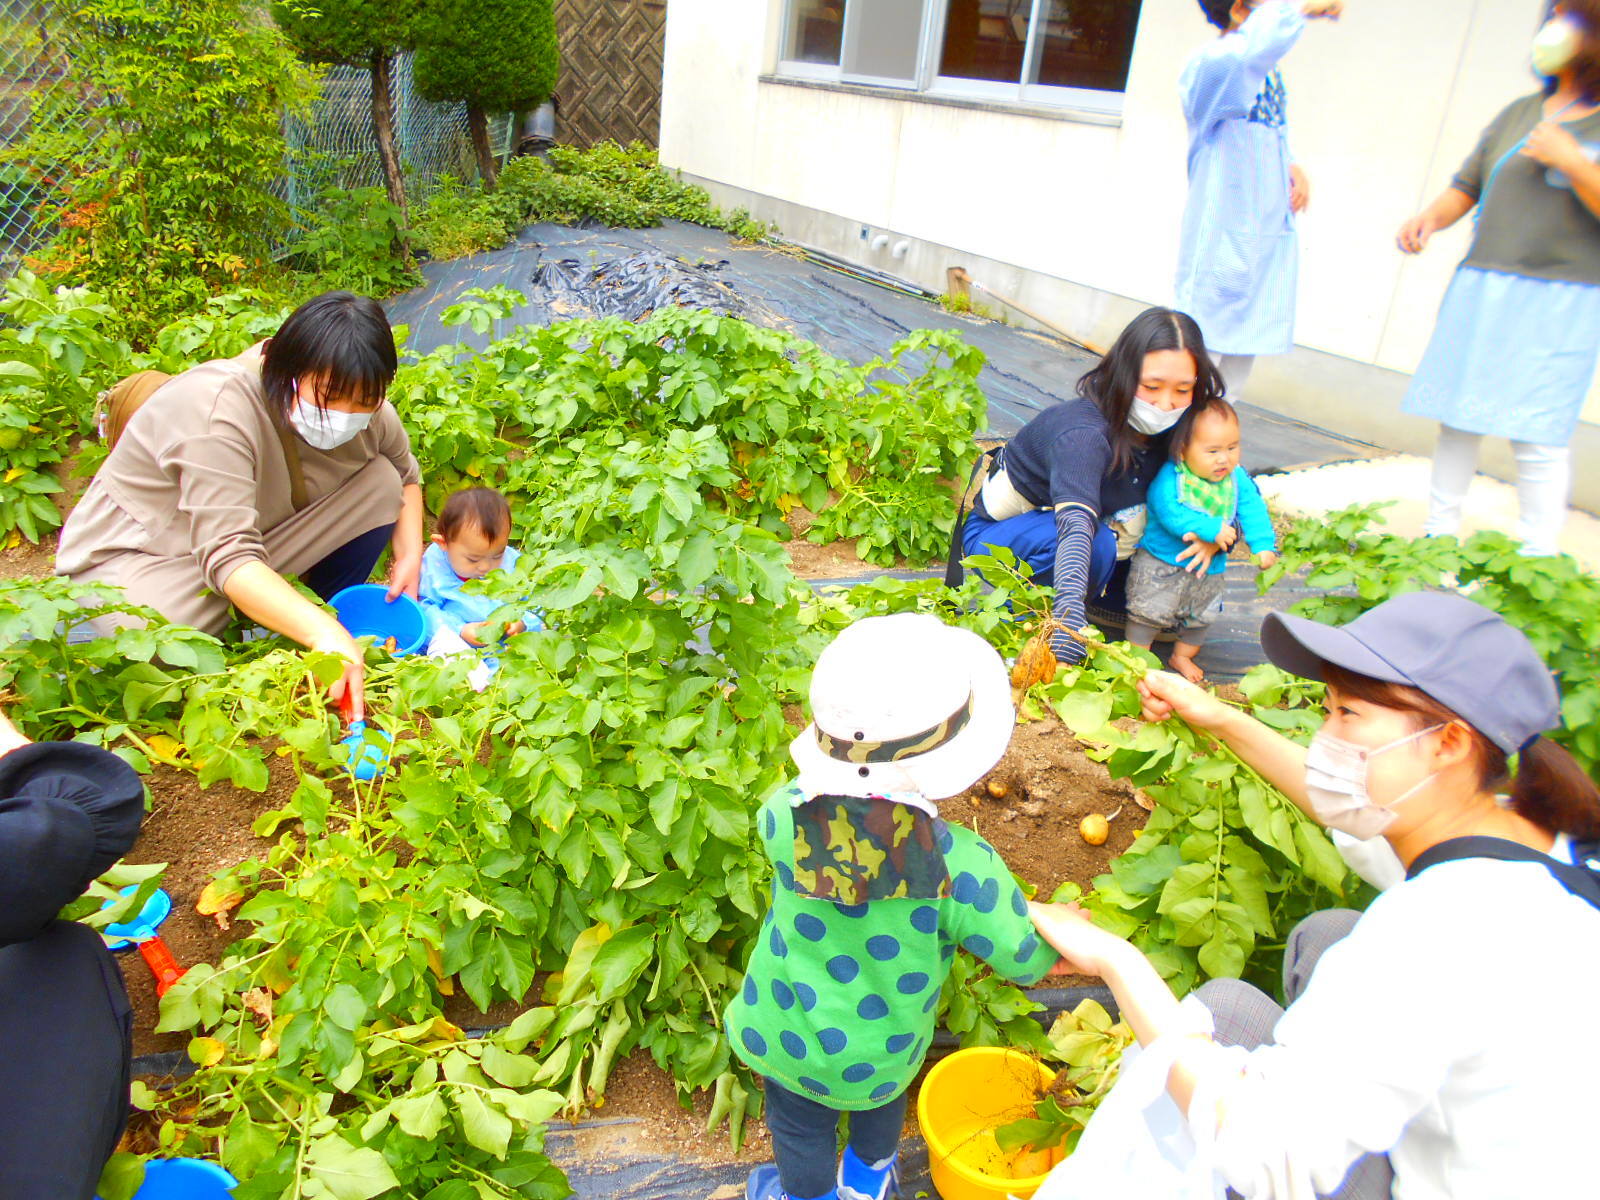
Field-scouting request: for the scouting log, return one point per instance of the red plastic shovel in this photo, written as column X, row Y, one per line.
column 141, row 932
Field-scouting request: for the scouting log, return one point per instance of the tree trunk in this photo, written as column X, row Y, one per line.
column 383, row 129
column 478, row 123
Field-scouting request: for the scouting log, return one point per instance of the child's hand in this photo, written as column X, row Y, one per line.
column 1331, row 10
column 515, row 628
column 1267, row 559
column 473, row 632
column 1227, row 537
column 1299, row 190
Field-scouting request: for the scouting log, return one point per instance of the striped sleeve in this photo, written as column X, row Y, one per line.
column 1074, row 542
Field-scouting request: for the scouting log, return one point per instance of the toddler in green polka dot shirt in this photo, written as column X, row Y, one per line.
column 871, row 896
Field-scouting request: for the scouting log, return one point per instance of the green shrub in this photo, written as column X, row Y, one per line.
column 171, row 193
column 350, row 243
column 491, row 55
column 459, row 220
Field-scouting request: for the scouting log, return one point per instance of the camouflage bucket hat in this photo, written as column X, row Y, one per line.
column 902, row 705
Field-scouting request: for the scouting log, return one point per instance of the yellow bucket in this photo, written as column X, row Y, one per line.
column 963, row 1100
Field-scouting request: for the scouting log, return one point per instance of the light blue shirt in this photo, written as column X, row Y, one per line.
column 1239, row 264
column 1168, row 519
column 447, row 606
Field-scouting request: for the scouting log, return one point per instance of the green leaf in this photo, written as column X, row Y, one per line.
column 420, row 1116
column 1222, row 957
column 121, row 1177
column 513, row 1070
column 485, row 1126
column 1319, row 857
column 344, row 1007
column 348, row 1172
column 621, row 960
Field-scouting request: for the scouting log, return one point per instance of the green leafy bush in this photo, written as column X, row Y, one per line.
column 491, row 55
column 869, row 449
column 624, row 187
column 55, row 355
column 458, row 220
column 350, row 243
column 171, row 197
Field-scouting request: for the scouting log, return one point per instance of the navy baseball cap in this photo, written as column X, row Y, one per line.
column 1446, row 646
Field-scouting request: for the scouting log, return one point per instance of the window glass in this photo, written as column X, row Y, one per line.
column 815, row 29
column 1086, row 43
column 881, row 38
column 985, row 39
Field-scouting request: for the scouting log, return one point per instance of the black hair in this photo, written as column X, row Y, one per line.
column 338, row 335
column 1113, row 382
column 1183, row 431
column 481, row 508
column 1585, row 14
column 1218, row 12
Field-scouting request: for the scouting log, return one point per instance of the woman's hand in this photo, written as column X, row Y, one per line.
column 405, row 574
column 1166, row 695
column 1199, row 554
column 405, row 568
column 1299, row 190
column 1553, row 145
column 1414, row 234
column 349, row 690
column 11, row 737
column 1083, row 945
column 1330, row 10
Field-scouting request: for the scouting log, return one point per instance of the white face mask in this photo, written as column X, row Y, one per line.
column 325, row 428
column 1147, row 418
column 1336, row 784
column 1555, row 45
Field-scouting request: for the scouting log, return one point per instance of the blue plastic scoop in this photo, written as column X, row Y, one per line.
column 365, row 751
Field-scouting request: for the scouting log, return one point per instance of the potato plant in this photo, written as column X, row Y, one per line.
column 869, row 450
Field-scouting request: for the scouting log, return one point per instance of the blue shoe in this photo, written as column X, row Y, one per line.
column 765, row 1184
column 859, row 1180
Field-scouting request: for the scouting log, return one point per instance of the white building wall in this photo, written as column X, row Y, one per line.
column 1082, row 216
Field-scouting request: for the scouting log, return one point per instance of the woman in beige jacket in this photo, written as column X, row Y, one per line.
column 197, row 508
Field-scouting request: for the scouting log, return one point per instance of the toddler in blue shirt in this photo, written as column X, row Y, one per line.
column 469, row 541
column 1201, row 490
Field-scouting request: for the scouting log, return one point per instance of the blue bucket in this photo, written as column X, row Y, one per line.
column 185, row 1179
column 366, row 609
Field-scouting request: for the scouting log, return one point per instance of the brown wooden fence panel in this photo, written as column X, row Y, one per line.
column 610, row 83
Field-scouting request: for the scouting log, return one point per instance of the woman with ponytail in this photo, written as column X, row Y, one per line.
column 1399, row 1066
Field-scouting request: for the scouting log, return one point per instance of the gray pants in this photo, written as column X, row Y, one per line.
column 1246, row 1016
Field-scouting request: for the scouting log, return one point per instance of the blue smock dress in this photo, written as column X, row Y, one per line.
column 1514, row 351
column 1239, row 263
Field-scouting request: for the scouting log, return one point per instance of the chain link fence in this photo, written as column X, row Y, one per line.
column 333, row 147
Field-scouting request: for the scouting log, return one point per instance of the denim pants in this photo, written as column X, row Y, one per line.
column 805, row 1138
column 1032, row 538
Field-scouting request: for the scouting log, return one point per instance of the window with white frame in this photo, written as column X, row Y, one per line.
column 1066, row 52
